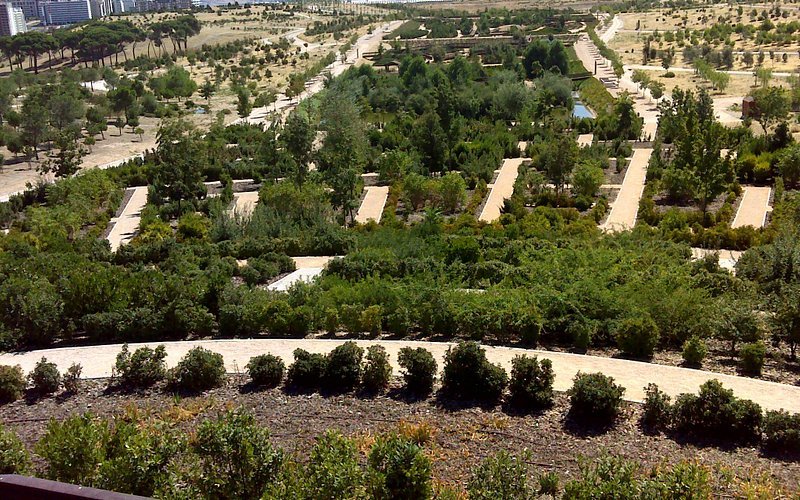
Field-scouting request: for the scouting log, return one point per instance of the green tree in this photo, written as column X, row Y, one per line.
column 67, row 161
column 772, row 104
column 587, row 178
column 243, row 104
column 180, row 160
column 207, row 90
column 557, row 158
column 298, row 138
column 342, row 156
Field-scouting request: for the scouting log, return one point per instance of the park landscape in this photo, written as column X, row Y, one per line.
column 331, row 250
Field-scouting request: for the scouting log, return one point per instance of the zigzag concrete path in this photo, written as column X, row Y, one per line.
column 625, row 208
column 125, row 226
column 633, row 375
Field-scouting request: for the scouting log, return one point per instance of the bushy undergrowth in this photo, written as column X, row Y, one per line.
column 45, row 377
column 12, row 383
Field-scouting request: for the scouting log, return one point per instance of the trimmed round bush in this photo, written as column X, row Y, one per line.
column 199, row 370
column 377, row 369
column 12, row 383
column 306, row 371
column 141, row 369
column 715, row 414
column 595, row 399
column 265, row 370
column 420, row 369
column 694, row 351
column 343, row 368
column 782, row 432
column 14, row 457
column 531, row 384
column 637, row 336
column 751, row 358
column 469, row 376
column 657, row 408
column 45, row 377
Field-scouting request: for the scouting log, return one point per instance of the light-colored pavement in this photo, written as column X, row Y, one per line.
column 97, row 362
column 678, row 69
column 305, row 275
column 611, row 31
column 727, row 258
column 127, row 224
column 585, row 140
column 310, row 262
column 244, row 203
column 502, row 188
column 626, row 206
column 372, row 206
column 754, row 207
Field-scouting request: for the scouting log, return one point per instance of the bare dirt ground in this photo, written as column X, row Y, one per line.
column 460, row 436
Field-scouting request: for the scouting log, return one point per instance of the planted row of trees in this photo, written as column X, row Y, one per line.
column 95, row 41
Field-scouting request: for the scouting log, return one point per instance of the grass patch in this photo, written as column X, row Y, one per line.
column 408, row 30
column 595, row 95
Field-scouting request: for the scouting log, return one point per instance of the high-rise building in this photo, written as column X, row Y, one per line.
column 65, row 12
column 12, row 20
column 29, row 7
column 100, row 8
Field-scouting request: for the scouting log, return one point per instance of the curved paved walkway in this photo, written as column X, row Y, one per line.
column 633, row 375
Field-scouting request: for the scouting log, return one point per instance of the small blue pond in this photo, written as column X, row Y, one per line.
column 581, row 111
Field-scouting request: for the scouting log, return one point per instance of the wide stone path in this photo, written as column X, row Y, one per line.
column 626, row 206
column 245, row 203
column 97, row 362
column 502, row 188
column 126, row 225
column 754, row 207
column 372, row 206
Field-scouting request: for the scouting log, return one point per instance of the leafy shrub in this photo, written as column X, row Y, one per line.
column 306, row 371
column 235, row 456
column 399, row 469
column 468, row 375
column 266, row 370
column 199, row 370
column 333, row 470
column 420, row 369
column 656, row 414
column 595, row 398
column 343, row 368
column 500, row 476
column 637, row 336
column 73, row 449
column 14, row 457
column 694, row 351
column 782, row 432
column 377, row 369
column 12, row 383
column 715, row 414
column 531, row 383
column 751, row 357
column 371, row 319
column 141, row 369
column 72, row 378
column 45, row 377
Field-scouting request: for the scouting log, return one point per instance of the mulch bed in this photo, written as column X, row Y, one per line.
column 462, row 436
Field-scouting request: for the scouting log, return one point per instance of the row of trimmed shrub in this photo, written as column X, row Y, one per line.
column 595, row 400
column 717, row 416
column 44, row 379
